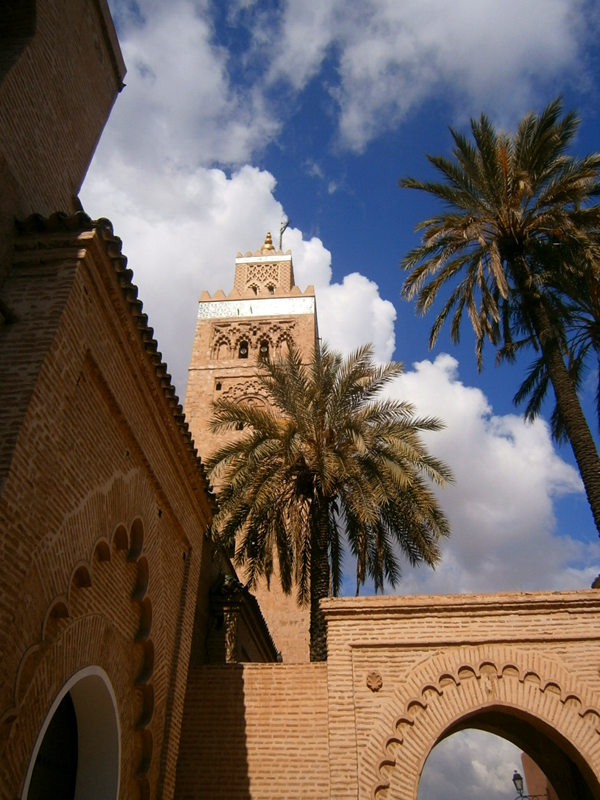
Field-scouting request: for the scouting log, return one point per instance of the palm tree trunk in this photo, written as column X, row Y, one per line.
column 319, row 582
column 567, row 400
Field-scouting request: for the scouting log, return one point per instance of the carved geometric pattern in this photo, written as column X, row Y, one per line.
column 227, row 336
column 448, row 687
column 60, row 613
column 248, row 390
column 260, row 274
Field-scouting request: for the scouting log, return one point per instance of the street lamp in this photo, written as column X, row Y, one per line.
column 518, row 782
column 517, row 779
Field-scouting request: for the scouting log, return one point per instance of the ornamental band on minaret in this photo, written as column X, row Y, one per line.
column 264, row 312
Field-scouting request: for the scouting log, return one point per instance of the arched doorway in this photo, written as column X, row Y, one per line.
column 565, row 768
column 77, row 751
column 470, row 765
column 529, row 700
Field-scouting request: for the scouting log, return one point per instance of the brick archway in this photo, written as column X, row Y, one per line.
column 406, row 672
column 526, row 697
column 403, row 673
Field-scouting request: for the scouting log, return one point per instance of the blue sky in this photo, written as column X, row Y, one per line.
column 237, row 115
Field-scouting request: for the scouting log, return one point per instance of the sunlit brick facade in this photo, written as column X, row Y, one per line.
column 133, row 661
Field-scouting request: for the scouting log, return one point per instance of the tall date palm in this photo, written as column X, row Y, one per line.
column 582, row 345
column 328, row 461
column 519, row 218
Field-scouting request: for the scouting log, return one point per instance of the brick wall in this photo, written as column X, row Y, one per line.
column 255, row 731
column 402, row 673
column 405, row 671
column 55, row 100
column 103, row 506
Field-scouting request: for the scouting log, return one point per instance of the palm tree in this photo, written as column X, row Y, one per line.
column 582, row 345
column 518, row 219
column 328, row 461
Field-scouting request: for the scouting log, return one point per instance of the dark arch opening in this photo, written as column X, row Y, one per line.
column 567, row 771
column 77, row 752
column 55, row 772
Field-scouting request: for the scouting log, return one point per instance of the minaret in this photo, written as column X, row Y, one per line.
column 264, row 312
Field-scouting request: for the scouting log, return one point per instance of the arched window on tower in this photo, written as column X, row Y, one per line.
column 271, row 289
column 222, row 350
column 264, row 349
column 243, row 350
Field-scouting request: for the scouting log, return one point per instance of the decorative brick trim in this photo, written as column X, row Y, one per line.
column 52, row 627
column 455, row 684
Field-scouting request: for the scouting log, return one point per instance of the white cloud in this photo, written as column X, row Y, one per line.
column 470, row 765
column 181, row 231
column 181, row 221
column 391, row 56
column 352, row 313
column 379, row 59
column 501, row 506
column 179, row 105
column 307, row 31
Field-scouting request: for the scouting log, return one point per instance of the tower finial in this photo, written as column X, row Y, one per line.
column 268, row 245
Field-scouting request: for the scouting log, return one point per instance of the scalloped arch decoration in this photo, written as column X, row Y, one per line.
column 453, row 685
column 221, row 348
column 60, row 608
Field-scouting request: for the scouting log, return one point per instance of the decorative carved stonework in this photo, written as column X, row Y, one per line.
column 248, row 390
column 374, row 681
column 262, row 274
column 226, row 336
column 254, row 307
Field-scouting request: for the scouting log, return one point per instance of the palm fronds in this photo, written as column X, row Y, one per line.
column 329, row 464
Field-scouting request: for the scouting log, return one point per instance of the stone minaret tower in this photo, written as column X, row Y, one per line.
column 262, row 314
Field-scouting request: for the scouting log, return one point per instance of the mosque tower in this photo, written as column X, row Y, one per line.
column 263, row 314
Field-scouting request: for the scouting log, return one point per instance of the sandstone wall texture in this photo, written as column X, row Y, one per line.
column 263, row 730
